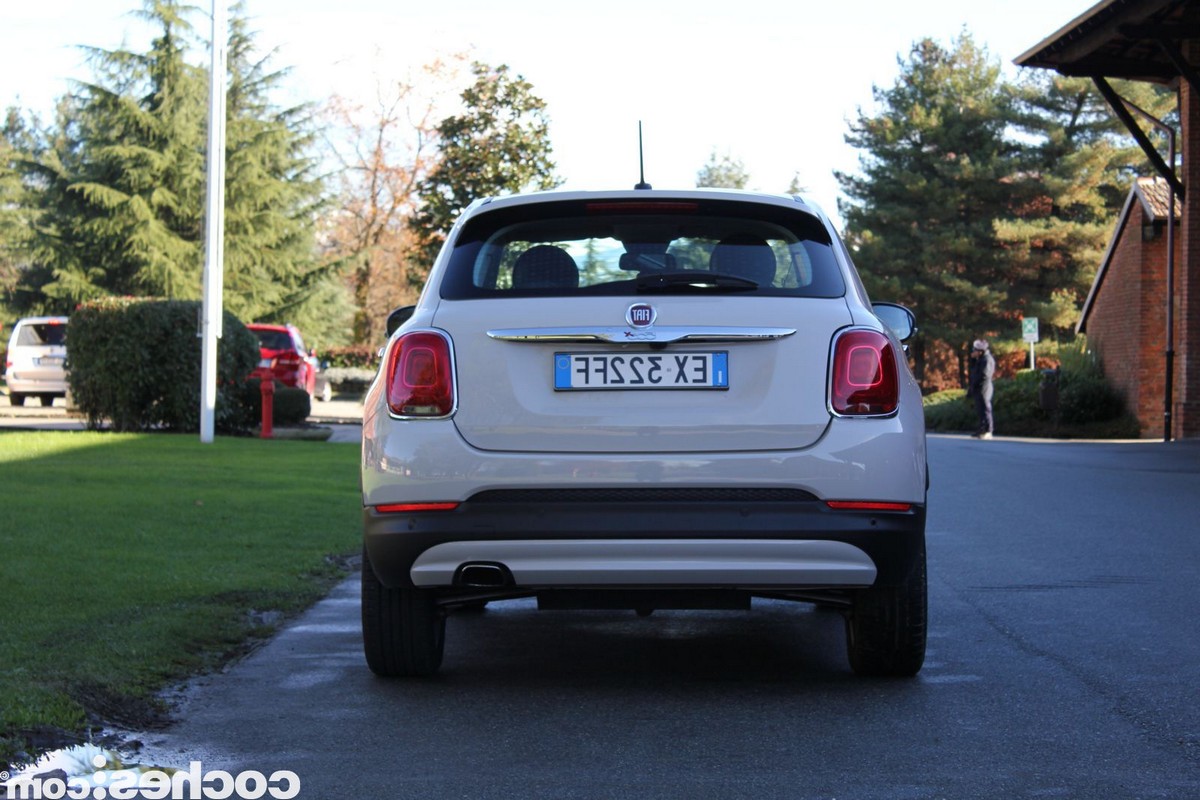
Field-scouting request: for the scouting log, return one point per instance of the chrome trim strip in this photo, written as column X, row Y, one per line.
column 654, row 562
column 663, row 334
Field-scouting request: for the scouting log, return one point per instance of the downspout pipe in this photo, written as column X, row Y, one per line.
column 1125, row 109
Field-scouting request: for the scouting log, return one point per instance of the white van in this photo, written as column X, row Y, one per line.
column 37, row 354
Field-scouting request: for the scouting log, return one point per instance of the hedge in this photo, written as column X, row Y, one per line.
column 136, row 363
column 1088, row 407
column 361, row 356
column 350, row 379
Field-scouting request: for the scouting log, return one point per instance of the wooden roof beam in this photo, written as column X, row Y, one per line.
column 1122, row 111
column 1117, row 68
column 1172, row 52
column 1166, row 30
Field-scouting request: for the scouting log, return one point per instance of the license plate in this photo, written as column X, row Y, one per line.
column 50, row 361
column 581, row 371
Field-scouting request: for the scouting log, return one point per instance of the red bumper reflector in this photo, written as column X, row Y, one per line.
column 399, row 508
column 866, row 505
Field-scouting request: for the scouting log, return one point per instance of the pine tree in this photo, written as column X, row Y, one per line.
column 272, row 198
column 723, row 172
column 1077, row 166
column 16, row 144
column 122, row 179
column 795, row 187
column 119, row 186
column 921, row 215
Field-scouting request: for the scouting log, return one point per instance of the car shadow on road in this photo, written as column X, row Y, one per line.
column 777, row 642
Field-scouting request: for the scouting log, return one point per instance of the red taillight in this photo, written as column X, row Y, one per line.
column 404, row 508
column 864, row 381
column 866, row 505
column 289, row 360
column 420, row 376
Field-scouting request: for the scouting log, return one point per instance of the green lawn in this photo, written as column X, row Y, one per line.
column 128, row 561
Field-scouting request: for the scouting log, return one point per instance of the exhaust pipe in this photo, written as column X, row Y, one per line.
column 483, row 576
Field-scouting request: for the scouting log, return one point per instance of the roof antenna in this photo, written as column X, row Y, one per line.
column 641, row 184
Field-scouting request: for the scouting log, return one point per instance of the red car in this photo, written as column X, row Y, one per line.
column 283, row 356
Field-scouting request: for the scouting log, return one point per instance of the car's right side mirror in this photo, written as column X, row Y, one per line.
column 898, row 319
column 398, row 317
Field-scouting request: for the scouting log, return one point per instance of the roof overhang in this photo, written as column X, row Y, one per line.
column 1139, row 40
column 1129, row 39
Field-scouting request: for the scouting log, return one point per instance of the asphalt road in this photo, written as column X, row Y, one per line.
column 1064, row 659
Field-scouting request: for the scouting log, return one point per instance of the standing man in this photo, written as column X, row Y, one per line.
column 979, row 386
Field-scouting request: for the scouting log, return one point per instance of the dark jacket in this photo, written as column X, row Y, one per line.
column 979, row 376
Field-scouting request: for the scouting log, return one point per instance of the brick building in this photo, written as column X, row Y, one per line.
column 1125, row 313
column 1156, row 41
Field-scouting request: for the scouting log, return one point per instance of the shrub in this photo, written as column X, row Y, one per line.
column 136, row 363
column 351, row 369
column 949, row 410
column 291, row 405
column 1087, row 407
column 350, row 379
column 362, row 356
column 1015, row 404
column 1084, row 394
column 1088, row 398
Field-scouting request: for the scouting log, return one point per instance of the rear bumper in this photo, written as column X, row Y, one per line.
column 720, row 544
column 26, row 383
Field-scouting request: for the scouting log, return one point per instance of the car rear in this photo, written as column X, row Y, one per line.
column 641, row 400
column 282, row 356
column 35, row 365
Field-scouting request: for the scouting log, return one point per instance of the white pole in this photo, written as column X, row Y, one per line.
column 214, row 227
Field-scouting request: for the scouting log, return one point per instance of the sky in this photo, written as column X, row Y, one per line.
column 772, row 83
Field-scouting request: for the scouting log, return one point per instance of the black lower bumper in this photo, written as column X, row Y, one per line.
column 893, row 540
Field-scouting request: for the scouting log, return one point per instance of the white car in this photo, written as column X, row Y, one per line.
column 35, row 364
column 644, row 400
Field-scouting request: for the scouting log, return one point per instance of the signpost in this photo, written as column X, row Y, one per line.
column 1029, row 332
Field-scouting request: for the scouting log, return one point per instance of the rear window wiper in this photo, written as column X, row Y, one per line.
column 661, row 281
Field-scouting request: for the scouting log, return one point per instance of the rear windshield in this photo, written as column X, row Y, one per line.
column 628, row 247
column 42, row 334
column 274, row 340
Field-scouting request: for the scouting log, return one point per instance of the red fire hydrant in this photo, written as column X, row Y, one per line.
column 267, row 388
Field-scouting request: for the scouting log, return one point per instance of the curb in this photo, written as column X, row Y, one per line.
column 318, row 433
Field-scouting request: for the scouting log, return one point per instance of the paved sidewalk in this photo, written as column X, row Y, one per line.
column 343, row 415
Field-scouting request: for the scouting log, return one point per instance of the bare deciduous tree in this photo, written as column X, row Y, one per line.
column 383, row 153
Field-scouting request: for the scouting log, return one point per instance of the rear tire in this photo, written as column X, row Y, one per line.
column 47, row 400
column 16, row 399
column 403, row 629
column 886, row 627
